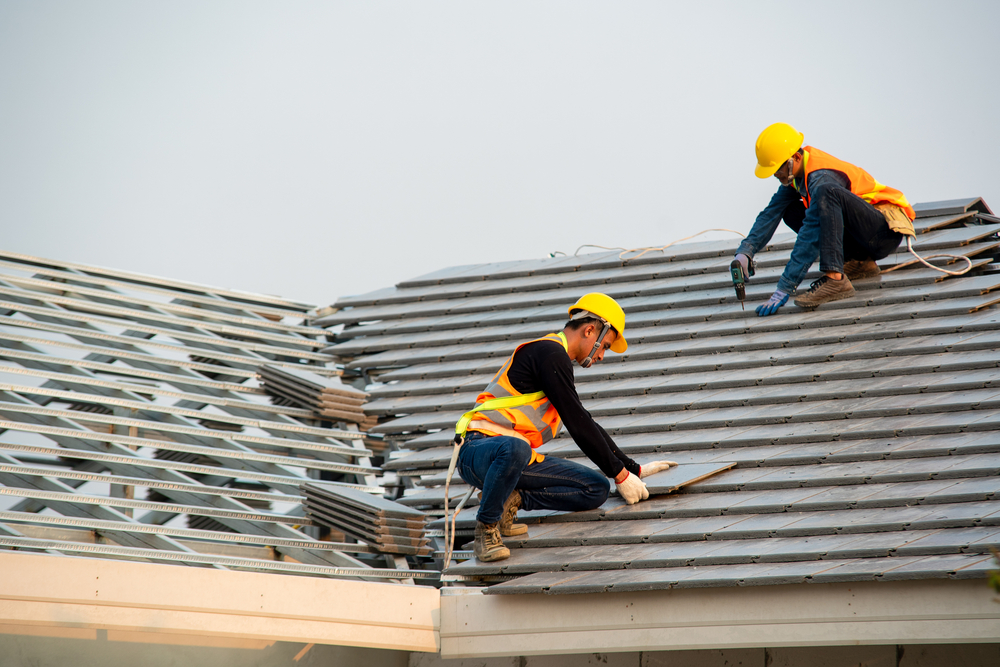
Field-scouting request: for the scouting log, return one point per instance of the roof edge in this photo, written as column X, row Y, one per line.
column 902, row 612
column 193, row 604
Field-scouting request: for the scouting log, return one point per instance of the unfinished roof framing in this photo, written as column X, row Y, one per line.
column 133, row 425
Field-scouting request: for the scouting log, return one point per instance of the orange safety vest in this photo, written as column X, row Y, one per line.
column 862, row 183
column 536, row 422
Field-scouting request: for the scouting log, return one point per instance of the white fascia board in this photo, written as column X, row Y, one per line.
column 907, row 612
column 55, row 591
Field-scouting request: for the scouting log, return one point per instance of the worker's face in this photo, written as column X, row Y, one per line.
column 784, row 173
column 787, row 172
column 590, row 334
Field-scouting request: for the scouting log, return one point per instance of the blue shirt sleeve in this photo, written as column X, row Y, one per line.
column 767, row 221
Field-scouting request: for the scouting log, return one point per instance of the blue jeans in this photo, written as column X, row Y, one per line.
column 499, row 464
column 849, row 227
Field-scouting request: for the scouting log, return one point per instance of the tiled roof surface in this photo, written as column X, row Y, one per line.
column 865, row 434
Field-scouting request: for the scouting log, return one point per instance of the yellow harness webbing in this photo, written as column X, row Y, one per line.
column 495, row 404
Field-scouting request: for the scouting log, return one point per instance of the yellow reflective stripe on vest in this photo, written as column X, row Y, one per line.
column 494, row 404
column 504, row 402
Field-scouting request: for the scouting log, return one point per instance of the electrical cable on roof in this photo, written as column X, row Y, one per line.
column 625, row 251
column 662, row 248
column 923, row 260
column 909, row 246
column 591, row 245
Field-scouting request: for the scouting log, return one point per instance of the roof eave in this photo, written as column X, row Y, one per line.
column 474, row 625
column 193, row 604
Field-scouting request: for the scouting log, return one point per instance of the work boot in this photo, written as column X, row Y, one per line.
column 858, row 269
column 488, row 544
column 824, row 290
column 510, row 507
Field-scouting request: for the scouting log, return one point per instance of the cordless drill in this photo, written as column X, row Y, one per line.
column 740, row 279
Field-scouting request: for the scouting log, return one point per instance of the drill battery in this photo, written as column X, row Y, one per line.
column 740, row 277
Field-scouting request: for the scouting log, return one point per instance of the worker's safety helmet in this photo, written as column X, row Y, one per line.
column 606, row 309
column 775, row 145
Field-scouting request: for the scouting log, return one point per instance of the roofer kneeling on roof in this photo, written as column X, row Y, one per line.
column 498, row 454
column 838, row 211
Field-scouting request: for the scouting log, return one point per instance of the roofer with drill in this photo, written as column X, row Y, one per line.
column 839, row 211
column 533, row 394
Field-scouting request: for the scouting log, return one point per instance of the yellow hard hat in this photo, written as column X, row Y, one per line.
column 775, row 145
column 606, row 308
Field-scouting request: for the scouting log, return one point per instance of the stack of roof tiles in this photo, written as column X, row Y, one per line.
column 324, row 396
column 387, row 526
column 864, row 436
column 132, row 425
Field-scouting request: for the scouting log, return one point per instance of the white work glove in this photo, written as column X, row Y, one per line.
column 632, row 489
column 654, row 467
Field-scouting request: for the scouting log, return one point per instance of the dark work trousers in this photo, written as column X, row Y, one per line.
column 850, row 227
column 499, row 464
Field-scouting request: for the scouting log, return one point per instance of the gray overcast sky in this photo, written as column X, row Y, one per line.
column 315, row 150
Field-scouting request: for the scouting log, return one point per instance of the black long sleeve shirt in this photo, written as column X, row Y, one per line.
column 544, row 365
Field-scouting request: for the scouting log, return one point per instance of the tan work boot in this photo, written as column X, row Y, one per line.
column 510, row 507
column 858, row 269
column 488, row 545
column 825, row 290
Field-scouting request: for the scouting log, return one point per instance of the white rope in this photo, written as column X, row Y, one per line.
column 591, row 245
column 686, row 238
column 625, row 251
column 449, row 539
column 923, row 260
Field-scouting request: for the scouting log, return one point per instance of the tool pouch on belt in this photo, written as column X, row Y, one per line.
column 895, row 218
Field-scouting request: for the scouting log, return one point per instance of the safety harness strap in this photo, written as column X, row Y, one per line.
column 495, row 404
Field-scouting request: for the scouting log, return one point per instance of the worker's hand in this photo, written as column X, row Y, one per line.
column 632, row 489
column 744, row 262
column 654, row 467
column 771, row 306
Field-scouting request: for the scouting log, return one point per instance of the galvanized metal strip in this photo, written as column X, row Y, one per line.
column 170, row 333
column 138, row 462
column 75, row 415
column 208, row 559
column 131, row 314
column 133, row 356
column 150, row 289
column 155, row 280
column 187, row 533
column 211, row 452
column 173, row 308
column 146, row 343
column 77, row 397
column 173, row 508
column 149, row 482
column 146, row 389
column 120, row 369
